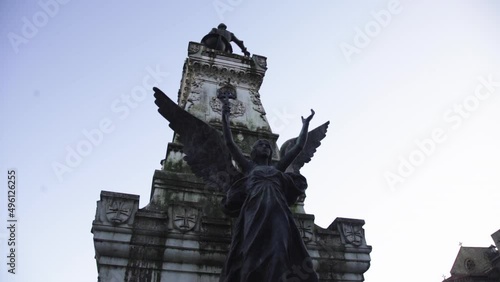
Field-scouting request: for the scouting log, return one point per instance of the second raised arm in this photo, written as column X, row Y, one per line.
column 293, row 152
column 236, row 153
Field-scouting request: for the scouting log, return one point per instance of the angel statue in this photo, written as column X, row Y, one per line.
column 266, row 244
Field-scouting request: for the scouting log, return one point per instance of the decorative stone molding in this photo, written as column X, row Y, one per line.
column 221, row 74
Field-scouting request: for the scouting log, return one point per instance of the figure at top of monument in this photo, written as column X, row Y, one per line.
column 266, row 244
column 220, row 39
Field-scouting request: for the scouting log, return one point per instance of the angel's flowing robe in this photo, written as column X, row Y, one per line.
column 266, row 243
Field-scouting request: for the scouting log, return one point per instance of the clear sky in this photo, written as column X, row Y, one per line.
column 411, row 88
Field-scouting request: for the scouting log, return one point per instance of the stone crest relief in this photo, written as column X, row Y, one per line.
column 306, row 229
column 193, row 48
column 227, row 91
column 184, row 218
column 118, row 211
column 237, row 107
column 353, row 234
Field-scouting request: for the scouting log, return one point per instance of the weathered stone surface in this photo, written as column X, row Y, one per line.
column 182, row 234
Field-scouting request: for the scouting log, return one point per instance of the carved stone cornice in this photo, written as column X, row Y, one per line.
column 220, row 74
column 221, row 66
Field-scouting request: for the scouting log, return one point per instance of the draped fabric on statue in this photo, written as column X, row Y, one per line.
column 266, row 242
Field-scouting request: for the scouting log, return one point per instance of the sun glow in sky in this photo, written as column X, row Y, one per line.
column 411, row 88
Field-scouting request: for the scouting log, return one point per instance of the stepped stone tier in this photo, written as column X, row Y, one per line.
column 182, row 234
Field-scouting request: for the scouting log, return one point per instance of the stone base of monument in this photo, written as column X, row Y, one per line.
column 184, row 237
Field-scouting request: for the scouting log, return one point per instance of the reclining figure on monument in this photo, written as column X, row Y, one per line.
column 266, row 243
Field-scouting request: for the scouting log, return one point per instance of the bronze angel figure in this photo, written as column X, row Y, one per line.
column 266, row 243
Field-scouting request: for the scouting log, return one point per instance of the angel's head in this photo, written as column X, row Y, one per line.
column 262, row 149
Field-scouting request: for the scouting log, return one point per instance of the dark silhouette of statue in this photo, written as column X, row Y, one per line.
column 266, row 244
column 220, row 39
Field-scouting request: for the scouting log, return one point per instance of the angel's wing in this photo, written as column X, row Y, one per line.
column 314, row 138
column 204, row 148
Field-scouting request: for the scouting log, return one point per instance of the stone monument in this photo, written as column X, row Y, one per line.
column 182, row 234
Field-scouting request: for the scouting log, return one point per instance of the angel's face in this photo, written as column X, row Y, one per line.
column 262, row 148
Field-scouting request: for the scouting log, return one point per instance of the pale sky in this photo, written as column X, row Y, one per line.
column 411, row 88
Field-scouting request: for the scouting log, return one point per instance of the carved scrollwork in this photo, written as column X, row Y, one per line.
column 193, row 99
column 237, row 107
column 196, row 86
column 222, row 74
column 257, row 104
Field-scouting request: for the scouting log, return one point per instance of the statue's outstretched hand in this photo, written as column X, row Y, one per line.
column 309, row 118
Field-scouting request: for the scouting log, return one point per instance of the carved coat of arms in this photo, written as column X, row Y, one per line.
column 353, row 234
column 119, row 211
column 184, row 218
column 306, row 229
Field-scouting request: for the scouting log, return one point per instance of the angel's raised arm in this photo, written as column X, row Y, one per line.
column 292, row 153
column 228, row 137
